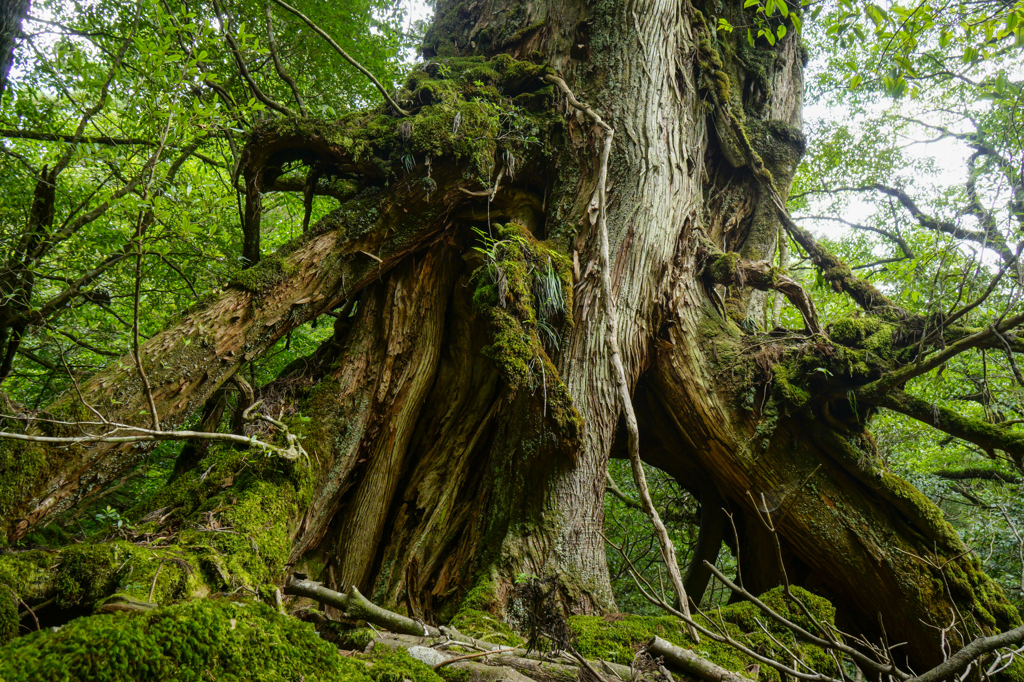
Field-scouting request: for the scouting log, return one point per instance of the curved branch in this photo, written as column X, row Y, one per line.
column 255, row 89
column 763, row 277
column 896, row 239
column 278, row 66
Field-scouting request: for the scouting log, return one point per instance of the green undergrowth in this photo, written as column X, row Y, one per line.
column 618, row 638
column 202, row 640
column 524, row 290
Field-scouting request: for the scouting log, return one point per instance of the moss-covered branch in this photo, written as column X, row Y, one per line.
column 729, row 269
column 985, row 435
column 986, row 336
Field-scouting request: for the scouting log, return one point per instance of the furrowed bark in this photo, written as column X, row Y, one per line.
column 192, row 359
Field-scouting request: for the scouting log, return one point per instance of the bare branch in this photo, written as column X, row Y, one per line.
column 959, row 661
column 272, row 44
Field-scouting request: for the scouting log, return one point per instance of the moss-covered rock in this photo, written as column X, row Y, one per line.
column 486, row 626
column 202, row 640
column 396, row 665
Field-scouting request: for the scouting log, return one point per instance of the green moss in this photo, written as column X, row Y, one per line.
column 483, row 625
column 617, row 638
column 9, row 621
column 524, row 289
column 867, row 332
column 261, row 277
column 779, row 145
column 452, row 674
column 723, row 268
column 461, row 108
column 22, row 465
column 482, row 597
column 202, row 640
column 396, row 665
column 87, row 574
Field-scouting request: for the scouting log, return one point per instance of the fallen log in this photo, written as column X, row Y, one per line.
column 355, row 605
column 690, row 663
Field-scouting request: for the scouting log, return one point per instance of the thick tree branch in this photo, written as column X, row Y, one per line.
column 983, row 434
column 355, row 605
column 984, row 338
column 69, row 137
column 976, row 475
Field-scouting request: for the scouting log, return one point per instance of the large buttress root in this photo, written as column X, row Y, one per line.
column 872, row 542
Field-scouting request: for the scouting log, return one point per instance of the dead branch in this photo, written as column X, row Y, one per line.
column 959, row 661
column 117, row 433
column 478, row 654
column 355, row 605
column 690, row 663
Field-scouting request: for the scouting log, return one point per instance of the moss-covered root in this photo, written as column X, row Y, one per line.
column 203, row 640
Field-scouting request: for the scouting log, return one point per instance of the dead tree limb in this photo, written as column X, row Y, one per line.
column 355, row 605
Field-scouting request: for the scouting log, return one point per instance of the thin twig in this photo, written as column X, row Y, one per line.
column 476, row 655
column 337, row 48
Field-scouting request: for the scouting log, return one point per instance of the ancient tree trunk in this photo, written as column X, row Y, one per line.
column 460, row 419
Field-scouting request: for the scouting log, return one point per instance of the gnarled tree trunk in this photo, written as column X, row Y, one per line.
column 461, row 417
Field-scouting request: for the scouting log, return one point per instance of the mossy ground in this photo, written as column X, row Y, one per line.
column 618, row 638
column 396, row 665
column 202, row 640
column 486, row 626
column 226, row 525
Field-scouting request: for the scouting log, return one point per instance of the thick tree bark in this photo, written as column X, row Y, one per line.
column 450, row 446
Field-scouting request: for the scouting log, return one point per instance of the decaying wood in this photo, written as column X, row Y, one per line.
column 691, row 663
column 355, row 605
